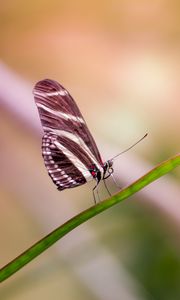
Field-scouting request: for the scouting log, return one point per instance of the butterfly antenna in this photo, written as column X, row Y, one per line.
column 129, row 147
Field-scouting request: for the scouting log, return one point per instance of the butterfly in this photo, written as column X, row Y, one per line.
column 70, row 153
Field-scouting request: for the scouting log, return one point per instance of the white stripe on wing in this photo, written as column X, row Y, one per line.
column 78, row 140
column 60, row 114
column 51, row 94
column 75, row 161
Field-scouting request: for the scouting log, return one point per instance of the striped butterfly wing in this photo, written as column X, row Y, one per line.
column 68, row 147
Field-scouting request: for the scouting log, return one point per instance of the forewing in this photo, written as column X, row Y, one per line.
column 59, row 114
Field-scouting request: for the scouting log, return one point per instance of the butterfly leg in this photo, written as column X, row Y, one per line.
column 96, row 188
column 94, row 196
column 106, row 187
column 115, row 182
column 104, row 180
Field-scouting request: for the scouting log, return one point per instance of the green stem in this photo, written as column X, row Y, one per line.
column 58, row 233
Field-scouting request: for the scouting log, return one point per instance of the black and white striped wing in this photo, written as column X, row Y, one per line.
column 68, row 147
column 64, row 168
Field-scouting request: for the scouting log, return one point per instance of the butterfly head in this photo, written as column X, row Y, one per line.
column 108, row 168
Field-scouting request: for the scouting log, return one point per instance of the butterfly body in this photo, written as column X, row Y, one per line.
column 68, row 148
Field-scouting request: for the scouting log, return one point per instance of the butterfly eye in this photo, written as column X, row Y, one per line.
column 110, row 170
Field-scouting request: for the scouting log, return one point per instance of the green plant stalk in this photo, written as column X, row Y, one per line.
column 58, row 233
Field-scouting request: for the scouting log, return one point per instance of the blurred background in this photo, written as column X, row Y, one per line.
column 120, row 61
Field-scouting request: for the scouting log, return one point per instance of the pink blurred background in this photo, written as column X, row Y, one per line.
column 120, row 61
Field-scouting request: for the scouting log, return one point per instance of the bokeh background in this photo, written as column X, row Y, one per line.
column 120, row 60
